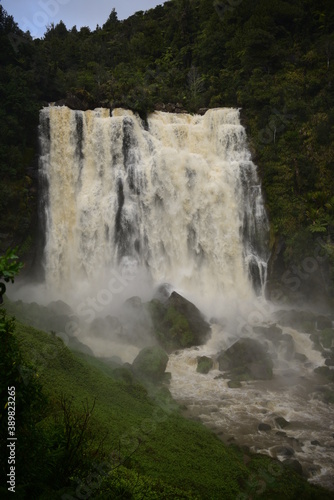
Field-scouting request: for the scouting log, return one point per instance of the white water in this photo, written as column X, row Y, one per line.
column 234, row 414
column 179, row 198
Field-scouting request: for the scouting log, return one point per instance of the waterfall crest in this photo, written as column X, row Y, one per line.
column 178, row 196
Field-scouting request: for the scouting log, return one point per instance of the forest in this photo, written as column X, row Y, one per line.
column 274, row 61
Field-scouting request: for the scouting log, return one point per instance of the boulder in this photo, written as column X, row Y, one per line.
column 326, row 337
column 151, row 363
column 234, row 384
column 285, row 451
column 281, row 422
column 177, row 323
column 281, row 433
column 325, row 371
column 204, row 364
column 270, row 332
column 325, row 394
column 246, row 359
column 264, row 427
column 199, row 329
column 300, row 320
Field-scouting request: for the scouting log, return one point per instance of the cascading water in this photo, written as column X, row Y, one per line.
column 177, row 200
column 179, row 196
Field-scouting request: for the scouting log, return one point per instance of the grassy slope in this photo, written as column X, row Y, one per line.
column 179, row 452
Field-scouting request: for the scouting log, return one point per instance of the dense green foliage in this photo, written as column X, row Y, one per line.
column 18, row 124
column 273, row 60
column 9, row 266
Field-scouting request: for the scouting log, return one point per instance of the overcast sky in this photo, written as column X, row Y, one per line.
column 35, row 15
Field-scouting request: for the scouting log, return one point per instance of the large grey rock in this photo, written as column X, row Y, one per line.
column 247, row 359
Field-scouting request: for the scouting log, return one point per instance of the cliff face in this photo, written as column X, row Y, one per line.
column 307, row 281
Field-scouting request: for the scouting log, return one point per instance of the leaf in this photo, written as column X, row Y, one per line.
column 317, row 229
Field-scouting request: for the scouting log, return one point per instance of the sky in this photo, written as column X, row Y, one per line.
column 35, row 15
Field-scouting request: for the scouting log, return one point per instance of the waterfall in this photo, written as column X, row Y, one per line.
column 177, row 196
column 129, row 205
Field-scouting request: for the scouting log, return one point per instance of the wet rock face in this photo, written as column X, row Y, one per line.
column 247, row 359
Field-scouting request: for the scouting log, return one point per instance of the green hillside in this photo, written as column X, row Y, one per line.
column 135, row 442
